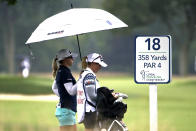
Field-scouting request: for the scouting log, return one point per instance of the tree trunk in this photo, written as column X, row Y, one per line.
column 183, row 60
column 9, row 40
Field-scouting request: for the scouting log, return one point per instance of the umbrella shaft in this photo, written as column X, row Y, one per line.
column 79, row 47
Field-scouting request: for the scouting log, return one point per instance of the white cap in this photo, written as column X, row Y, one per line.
column 64, row 53
column 96, row 58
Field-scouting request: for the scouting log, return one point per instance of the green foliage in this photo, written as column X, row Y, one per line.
column 146, row 17
column 27, row 15
column 9, row 2
column 133, row 12
column 144, row 12
column 161, row 17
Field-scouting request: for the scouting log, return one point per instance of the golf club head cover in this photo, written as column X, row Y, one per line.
column 124, row 96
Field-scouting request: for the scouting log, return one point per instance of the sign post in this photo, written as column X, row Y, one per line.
column 153, row 66
column 153, row 108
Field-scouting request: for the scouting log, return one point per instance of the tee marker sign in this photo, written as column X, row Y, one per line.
column 152, row 59
column 153, row 66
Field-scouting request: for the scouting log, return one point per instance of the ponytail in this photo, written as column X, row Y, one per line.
column 84, row 63
column 54, row 67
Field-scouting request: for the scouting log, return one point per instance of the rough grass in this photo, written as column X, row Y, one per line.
column 176, row 104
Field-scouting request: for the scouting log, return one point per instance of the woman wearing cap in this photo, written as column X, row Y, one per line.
column 64, row 87
column 87, row 86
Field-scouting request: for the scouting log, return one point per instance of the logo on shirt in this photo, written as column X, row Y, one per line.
column 89, row 80
column 80, row 95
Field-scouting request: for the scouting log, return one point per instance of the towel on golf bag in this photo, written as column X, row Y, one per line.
column 107, row 107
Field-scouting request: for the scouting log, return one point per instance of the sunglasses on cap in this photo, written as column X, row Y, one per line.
column 101, row 58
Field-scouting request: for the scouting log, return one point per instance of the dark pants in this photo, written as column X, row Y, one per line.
column 90, row 120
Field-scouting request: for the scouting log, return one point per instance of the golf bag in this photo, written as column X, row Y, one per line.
column 110, row 110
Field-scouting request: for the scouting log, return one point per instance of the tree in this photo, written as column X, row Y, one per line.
column 177, row 15
column 19, row 18
column 11, row 19
column 9, row 2
column 8, row 36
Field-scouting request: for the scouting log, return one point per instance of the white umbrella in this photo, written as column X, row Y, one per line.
column 74, row 22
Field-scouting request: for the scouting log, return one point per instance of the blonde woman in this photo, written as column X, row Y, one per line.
column 87, row 86
column 64, row 87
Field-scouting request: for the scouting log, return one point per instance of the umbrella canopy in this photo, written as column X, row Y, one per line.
column 74, row 22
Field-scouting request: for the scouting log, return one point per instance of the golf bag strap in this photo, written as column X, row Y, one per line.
column 90, row 103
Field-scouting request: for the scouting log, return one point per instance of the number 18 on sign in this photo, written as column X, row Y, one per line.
column 152, row 59
column 153, row 66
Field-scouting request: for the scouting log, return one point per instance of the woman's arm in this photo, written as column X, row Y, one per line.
column 71, row 89
column 55, row 88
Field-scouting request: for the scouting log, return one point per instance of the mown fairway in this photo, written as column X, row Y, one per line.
column 176, row 104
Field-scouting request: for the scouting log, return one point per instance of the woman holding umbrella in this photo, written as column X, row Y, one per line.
column 87, row 86
column 64, row 87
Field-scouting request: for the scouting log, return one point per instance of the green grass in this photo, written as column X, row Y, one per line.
column 28, row 116
column 176, row 105
column 32, row 85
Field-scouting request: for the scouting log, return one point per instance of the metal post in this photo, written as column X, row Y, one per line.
column 153, row 108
